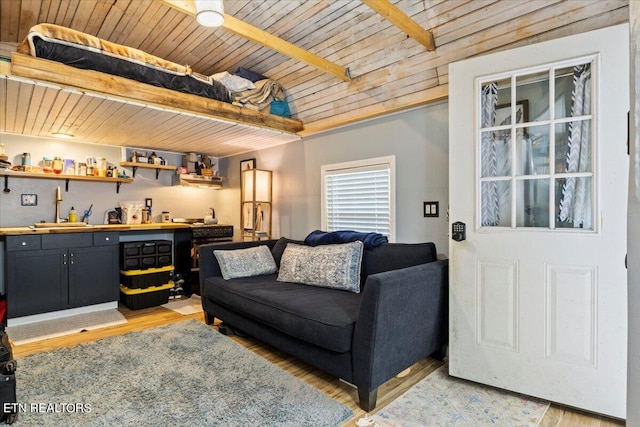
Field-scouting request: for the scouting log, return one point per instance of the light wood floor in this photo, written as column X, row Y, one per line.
column 557, row 416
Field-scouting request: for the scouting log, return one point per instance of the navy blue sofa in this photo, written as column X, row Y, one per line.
column 399, row 317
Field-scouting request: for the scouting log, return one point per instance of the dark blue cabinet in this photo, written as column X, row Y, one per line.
column 52, row 272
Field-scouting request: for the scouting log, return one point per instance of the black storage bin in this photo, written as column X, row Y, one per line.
column 136, row 299
column 140, row 279
column 145, row 254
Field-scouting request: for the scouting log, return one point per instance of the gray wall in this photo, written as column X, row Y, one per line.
column 418, row 139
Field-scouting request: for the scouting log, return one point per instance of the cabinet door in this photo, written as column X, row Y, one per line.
column 93, row 275
column 36, row 282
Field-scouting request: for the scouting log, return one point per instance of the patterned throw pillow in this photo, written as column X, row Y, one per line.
column 245, row 262
column 329, row 266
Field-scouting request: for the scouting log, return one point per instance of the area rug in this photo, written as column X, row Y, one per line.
column 182, row 374
column 24, row 334
column 441, row 400
column 185, row 306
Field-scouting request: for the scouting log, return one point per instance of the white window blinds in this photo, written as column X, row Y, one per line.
column 359, row 196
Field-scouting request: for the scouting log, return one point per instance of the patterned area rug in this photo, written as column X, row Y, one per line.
column 181, row 374
column 185, row 306
column 441, row 400
column 23, row 334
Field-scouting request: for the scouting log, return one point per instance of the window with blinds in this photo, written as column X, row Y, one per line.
column 359, row 196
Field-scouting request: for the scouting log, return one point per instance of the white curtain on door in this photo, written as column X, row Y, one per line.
column 489, row 190
column 495, row 159
column 575, row 202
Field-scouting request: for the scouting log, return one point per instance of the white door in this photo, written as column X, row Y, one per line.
column 538, row 173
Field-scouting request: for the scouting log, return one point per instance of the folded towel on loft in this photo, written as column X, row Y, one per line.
column 369, row 239
column 259, row 98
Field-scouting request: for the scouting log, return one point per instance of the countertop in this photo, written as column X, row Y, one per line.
column 14, row 231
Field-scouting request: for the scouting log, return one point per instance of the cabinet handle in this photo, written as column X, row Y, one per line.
column 24, row 243
column 71, row 258
column 64, row 259
column 106, row 238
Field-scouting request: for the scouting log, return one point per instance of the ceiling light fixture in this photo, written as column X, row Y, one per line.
column 61, row 135
column 209, row 13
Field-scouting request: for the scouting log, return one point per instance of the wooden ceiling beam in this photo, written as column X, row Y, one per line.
column 398, row 18
column 267, row 40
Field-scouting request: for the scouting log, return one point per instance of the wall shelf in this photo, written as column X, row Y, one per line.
column 135, row 165
column 67, row 178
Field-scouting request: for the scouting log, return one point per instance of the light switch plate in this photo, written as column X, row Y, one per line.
column 29, row 199
column 431, row 209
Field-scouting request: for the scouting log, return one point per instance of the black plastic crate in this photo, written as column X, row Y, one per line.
column 141, row 255
column 140, row 279
column 137, row 299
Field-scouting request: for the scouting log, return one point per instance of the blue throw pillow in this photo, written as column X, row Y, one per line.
column 236, row 263
column 249, row 75
column 328, row 266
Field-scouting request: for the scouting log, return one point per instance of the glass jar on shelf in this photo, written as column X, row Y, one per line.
column 57, row 165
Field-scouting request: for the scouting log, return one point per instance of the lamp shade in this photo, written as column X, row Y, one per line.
column 256, row 185
column 209, row 13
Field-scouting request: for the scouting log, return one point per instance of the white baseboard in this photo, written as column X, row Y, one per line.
column 62, row 313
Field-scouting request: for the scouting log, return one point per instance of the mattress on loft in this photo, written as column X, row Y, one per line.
column 81, row 50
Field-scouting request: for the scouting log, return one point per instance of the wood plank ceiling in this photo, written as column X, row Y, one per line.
column 390, row 71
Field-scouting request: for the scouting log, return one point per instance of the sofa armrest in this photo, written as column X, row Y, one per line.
column 403, row 318
column 208, row 263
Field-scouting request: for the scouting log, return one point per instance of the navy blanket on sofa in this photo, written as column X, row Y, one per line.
column 370, row 240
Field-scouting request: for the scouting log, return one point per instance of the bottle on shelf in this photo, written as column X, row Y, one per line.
column 73, row 216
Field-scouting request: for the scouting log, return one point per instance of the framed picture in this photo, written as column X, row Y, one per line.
column 247, row 164
column 503, row 113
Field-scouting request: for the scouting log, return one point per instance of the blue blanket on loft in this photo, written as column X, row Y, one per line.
column 370, row 240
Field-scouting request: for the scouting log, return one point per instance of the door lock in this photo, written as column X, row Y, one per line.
column 458, row 231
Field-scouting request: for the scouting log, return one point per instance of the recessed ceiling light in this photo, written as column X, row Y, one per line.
column 60, row 135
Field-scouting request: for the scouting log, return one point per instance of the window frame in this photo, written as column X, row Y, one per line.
column 377, row 163
column 514, row 177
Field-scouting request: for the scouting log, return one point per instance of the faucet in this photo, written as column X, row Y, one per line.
column 58, row 200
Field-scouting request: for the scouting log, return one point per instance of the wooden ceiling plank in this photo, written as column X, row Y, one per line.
column 402, row 21
column 52, row 114
column 432, row 95
column 29, row 11
column 98, row 14
column 111, row 20
column 78, row 115
column 129, row 23
column 13, row 92
column 65, row 115
column 270, row 41
column 245, row 30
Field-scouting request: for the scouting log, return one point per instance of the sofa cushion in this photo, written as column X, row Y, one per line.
column 320, row 316
column 329, row 266
column 394, row 256
column 280, row 246
column 245, row 262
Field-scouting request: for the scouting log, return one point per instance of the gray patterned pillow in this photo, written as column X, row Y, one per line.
column 248, row 262
column 329, row 266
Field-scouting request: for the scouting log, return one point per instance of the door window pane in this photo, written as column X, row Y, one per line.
column 573, row 91
column 532, row 199
column 533, row 150
column 573, row 146
column 495, row 153
column 533, row 89
column 496, row 203
column 574, row 203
